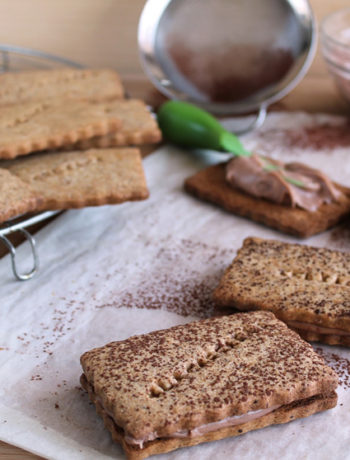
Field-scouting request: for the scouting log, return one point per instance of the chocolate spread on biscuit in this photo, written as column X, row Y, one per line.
column 252, row 175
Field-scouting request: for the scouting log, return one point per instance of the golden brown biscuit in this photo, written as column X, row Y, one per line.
column 138, row 127
column 307, row 288
column 74, row 84
column 76, row 179
column 16, row 197
column 205, row 380
column 35, row 126
column 210, row 185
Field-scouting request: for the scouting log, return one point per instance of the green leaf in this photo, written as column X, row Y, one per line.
column 230, row 143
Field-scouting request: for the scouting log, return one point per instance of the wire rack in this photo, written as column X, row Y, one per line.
column 14, row 59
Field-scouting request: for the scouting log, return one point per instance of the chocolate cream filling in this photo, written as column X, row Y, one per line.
column 198, row 431
column 203, row 429
column 275, row 181
column 317, row 329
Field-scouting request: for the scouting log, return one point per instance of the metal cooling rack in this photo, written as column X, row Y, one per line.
column 14, row 59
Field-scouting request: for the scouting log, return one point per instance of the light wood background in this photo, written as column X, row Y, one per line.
column 94, row 32
column 102, row 33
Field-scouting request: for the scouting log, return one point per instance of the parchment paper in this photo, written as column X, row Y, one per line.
column 114, row 271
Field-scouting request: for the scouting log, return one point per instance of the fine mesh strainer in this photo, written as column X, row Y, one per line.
column 227, row 56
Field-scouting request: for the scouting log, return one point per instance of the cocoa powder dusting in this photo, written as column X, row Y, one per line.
column 339, row 364
column 49, row 334
column 174, row 284
column 319, row 137
column 341, row 235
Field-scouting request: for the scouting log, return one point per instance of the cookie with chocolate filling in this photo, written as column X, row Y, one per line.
column 307, row 288
column 205, row 381
column 211, row 185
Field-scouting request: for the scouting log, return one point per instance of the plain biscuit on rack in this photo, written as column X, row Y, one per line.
column 95, row 177
column 16, row 197
column 93, row 85
column 138, row 127
column 35, row 126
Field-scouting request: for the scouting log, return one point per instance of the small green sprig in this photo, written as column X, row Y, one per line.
column 187, row 125
column 272, row 167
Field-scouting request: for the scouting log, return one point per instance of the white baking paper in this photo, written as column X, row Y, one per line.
column 111, row 272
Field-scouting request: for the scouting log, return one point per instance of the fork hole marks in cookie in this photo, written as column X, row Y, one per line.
column 26, row 116
column 165, row 384
column 328, row 278
column 66, row 167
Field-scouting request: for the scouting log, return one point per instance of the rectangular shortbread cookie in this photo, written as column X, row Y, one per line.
column 205, row 380
column 16, row 197
column 76, row 179
column 138, row 127
column 306, row 287
column 210, row 185
column 45, row 125
column 74, row 84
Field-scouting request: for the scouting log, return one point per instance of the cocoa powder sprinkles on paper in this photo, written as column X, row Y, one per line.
column 175, row 283
column 321, row 137
column 339, row 364
column 181, row 278
column 341, row 236
column 317, row 137
column 48, row 334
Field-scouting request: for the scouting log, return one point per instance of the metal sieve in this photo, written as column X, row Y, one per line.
column 227, row 56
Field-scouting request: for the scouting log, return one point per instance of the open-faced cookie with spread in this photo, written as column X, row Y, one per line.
column 308, row 288
column 205, row 381
column 292, row 198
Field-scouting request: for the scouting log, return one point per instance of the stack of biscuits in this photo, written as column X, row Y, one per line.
column 65, row 141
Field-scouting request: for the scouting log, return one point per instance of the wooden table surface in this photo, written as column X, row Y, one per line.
column 316, row 93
